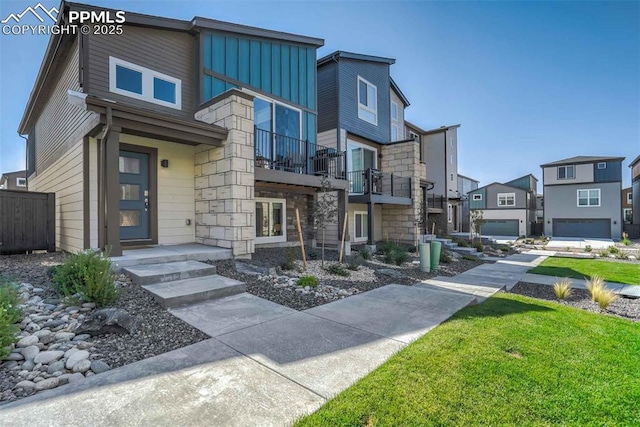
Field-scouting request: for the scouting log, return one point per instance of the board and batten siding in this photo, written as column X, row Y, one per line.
column 61, row 124
column 168, row 52
column 65, row 178
column 176, row 189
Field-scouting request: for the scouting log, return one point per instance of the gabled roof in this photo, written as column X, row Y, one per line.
column 524, row 176
column 59, row 43
column 581, row 160
column 396, row 89
column 634, row 161
column 357, row 56
column 10, row 174
column 498, row 183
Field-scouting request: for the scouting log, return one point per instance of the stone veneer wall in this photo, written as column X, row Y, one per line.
column 224, row 177
column 402, row 159
column 304, row 203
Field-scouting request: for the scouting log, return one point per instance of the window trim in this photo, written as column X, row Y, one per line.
column 366, row 229
column 604, row 165
column 24, row 182
column 273, row 110
column 573, row 168
column 397, row 128
column 449, row 212
column 373, row 111
column 148, row 76
column 476, row 197
column 352, row 143
column 629, row 198
column 624, row 214
column 588, row 198
column 506, row 199
column 396, row 118
column 272, row 239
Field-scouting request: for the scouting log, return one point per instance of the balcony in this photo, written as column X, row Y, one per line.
column 283, row 159
column 436, row 204
column 374, row 186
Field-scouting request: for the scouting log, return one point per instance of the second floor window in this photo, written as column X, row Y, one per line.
column 629, row 198
column 21, row 182
column 134, row 81
column 367, row 101
column 566, row 172
column 477, row 197
column 506, row 199
column 589, row 197
column 394, row 132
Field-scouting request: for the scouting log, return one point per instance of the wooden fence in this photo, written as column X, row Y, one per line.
column 27, row 221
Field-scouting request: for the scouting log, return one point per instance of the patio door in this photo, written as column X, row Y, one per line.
column 135, row 212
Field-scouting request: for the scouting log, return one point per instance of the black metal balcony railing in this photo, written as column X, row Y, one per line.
column 435, row 202
column 372, row 181
column 280, row 152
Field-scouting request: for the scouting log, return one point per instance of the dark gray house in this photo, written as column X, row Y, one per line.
column 509, row 209
column 582, row 197
column 635, row 190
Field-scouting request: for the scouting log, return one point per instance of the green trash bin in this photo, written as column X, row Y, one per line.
column 436, row 247
column 425, row 257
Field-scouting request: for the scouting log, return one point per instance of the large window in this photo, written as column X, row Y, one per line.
column 271, row 217
column 590, row 197
column 566, row 172
column 273, row 117
column 506, row 199
column 359, row 158
column 367, row 101
column 361, row 224
column 134, row 81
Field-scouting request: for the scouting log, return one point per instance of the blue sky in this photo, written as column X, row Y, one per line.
column 530, row 82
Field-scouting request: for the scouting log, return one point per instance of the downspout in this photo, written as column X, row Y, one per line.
column 103, row 173
column 26, row 159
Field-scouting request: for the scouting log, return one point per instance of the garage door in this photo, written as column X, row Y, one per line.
column 500, row 227
column 594, row 228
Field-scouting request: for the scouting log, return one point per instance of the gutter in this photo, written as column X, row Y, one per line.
column 26, row 159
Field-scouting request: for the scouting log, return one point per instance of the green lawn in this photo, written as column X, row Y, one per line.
column 576, row 268
column 512, row 360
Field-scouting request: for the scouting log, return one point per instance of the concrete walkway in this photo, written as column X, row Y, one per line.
column 266, row 364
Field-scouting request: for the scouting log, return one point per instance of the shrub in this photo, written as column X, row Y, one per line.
column 354, row 262
column 504, row 249
column 396, row 256
column 386, row 246
column 87, row 273
column 562, row 288
column 604, row 297
column 594, row 285
column 625, row 239
column 622, row 255
column 445, row 257
column 10, row 314
column 613, row 250
column 463, row 243
column 365, row 254
column 469, row 258
column 603, row 253
column 588, row 248
column 290, row 255
column 478, row 245
column 313, row 255
column 311, row 281
column 338, row 270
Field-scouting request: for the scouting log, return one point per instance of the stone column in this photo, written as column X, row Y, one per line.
column 224, row 176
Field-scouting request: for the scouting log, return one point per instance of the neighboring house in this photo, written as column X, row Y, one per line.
column 635, row 190
column 582, row 197
column 14, row 180
column 509, row 208
column 465, row 186
column 116, row 123
column 540, row 208
column 361, row 110
column 627, row 205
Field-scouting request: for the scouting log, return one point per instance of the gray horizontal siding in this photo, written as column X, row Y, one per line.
column 378, row 75
column 57, row 125
column 327, row 97
column 492, row 197
column 169, row 52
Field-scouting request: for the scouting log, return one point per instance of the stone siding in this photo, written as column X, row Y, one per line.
column 224, row 178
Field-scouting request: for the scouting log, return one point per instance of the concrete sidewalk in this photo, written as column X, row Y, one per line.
column 266, row 364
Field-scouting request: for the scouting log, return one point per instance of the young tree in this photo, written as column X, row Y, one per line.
column 477, row 220
column 325, row 209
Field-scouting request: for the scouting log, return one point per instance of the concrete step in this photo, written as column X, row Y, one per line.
column 165, row 272
column 190, row 291
column 169, row 253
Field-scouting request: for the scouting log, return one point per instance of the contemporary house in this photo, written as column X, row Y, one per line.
column 582, row 197
column 465, row 186
column 14, row 180
column 627, row 205
column 183, row 131
column 509, row 209
column 635, row 190
column 361, row 111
